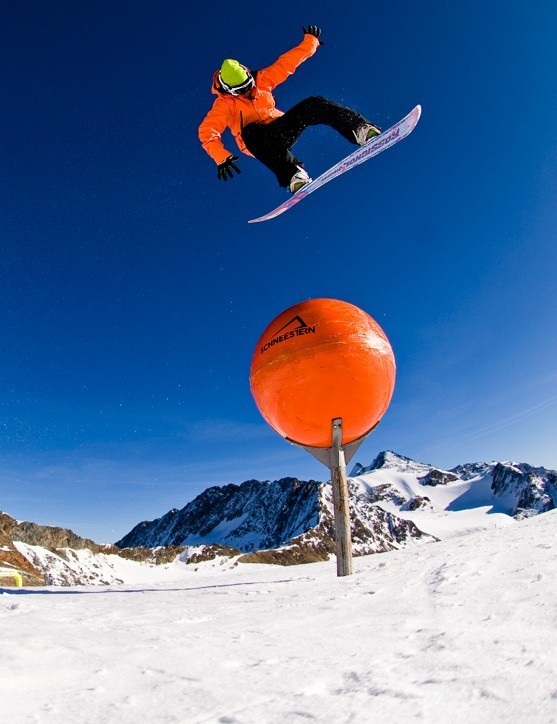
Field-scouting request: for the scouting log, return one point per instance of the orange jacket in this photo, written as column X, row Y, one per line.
column 235, row 112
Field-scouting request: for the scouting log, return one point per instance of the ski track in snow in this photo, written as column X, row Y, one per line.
column 462, row 630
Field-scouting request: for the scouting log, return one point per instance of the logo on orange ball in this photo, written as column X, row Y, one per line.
column 287, row 333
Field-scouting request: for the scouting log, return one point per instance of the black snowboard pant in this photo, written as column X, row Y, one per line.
column 271, row 142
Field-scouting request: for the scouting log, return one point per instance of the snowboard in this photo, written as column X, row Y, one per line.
column 378, row 144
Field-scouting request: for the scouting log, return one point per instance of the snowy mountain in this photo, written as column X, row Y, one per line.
column 262, row 516
column 450, row 502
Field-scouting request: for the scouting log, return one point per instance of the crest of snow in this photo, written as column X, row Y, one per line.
column 387, row 460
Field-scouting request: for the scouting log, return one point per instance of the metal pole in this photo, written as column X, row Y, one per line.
column 343, row 538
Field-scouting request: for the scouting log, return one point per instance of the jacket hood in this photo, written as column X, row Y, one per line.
column 216, row 89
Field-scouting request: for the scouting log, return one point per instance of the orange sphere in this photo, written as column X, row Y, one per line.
column 319, row 360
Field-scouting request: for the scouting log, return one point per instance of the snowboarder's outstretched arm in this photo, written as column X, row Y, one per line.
column 286, row 64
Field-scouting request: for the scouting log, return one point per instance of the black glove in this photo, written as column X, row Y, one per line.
column 225, row 168
column 313, row 30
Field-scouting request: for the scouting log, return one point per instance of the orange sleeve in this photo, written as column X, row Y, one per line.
column 211, row 129
column 286, row 64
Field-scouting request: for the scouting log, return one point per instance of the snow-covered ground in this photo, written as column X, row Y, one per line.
column 464, row 630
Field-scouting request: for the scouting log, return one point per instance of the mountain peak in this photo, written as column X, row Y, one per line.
column 386, row 460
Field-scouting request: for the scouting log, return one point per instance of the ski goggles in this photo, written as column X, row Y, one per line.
column 238, row 90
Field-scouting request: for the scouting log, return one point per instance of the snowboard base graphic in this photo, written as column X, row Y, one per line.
column 372, row 148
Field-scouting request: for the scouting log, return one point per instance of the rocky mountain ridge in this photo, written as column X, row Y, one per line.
column 47, row 536
column 35, row 550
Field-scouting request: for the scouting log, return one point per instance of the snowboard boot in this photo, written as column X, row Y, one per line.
column 299, row 179
column 365, row 133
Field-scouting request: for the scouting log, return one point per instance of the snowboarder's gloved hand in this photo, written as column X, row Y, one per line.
column 313, row 30
column 225, row 168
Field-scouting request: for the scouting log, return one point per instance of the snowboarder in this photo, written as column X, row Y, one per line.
column 246, row 106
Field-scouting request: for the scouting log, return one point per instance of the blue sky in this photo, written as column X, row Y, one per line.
column 133, row 292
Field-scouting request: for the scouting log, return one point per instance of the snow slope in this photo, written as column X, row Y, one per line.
column 462, row 630
column 471, row 497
